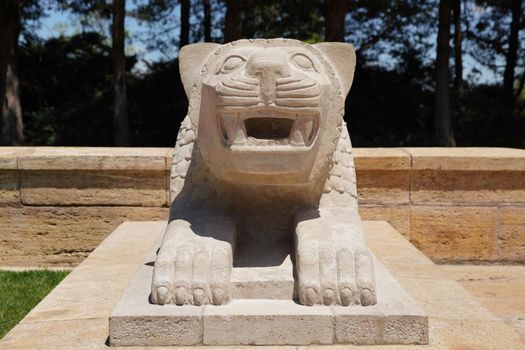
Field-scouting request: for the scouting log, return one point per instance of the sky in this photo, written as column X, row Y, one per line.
column 64, row 23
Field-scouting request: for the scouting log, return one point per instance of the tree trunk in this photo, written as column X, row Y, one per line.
column 184, row 23
column 11, row 110
column 512, row 54
column 232, row 22
column 207, row 21
column 458, row 57
column 335, row 20
column 121, row 133
column 444, row 135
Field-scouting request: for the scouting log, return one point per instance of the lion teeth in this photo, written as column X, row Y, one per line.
column 297, row 137
column 240, row 136
column 308, row 128
column 234, row 132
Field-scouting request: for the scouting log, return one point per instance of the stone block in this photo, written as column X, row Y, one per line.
column 94, row 158
column 405, row 330
column 90, row 187
column 9, row 187
column 467, row 187
column 454, row 233
column 383, row 186
column 396, row 215
column 87, row 333
column 267, row 322
column 395, row 319
column 9, row 156
column 511, row 234
column 381, row 159
column 61, row 236
column 467, row 158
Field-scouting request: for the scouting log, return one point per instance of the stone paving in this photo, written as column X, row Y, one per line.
column 500, row 288
column 470, row 307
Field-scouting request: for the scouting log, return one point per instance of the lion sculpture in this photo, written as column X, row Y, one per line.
column 264, row 156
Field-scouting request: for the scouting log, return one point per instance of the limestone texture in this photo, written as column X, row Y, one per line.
column 264, row 157
column 266, row 317
column 78, row 323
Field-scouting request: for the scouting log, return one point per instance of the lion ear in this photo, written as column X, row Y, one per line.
column 191, row 59
column 342, row 58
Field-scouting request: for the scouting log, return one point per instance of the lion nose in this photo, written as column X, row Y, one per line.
column 268, row 69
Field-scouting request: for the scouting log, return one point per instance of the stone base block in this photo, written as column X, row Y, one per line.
column 264, row 312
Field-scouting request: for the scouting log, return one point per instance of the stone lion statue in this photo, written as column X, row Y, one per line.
column 264, row 156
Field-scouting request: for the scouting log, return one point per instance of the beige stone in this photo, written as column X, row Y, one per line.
column 454, row 233
column 264, row 156
column 93, row 158
column 383, row 187
column 273, row 318
column 9, row 156
column 115, row 177
column 381, row 159
column 474, row 334
column 445, row 333
column 499, row 288
column 469, row 187
column 9, row 187
column 510, row 234
column 61, row 235
column 86, row 333
column 397, row 216
column 245, row 322
column 467, row 158
column 110, row 187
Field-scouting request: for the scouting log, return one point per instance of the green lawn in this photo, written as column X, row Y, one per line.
column 21, row 291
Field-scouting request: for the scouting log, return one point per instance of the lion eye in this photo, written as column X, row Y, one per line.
column 303, row 61
column 232, row 63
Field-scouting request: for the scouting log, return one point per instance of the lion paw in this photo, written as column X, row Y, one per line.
column 193, row 270
column 334, row 266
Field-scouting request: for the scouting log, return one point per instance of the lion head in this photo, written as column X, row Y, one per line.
column 267, row 111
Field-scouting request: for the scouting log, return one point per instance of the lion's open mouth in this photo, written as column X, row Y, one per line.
column 264, row 128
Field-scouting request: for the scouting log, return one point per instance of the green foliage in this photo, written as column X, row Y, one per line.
column 157, row 105
column 298, row 19
column 21, row 291
column 66, row 88
column 67, row 92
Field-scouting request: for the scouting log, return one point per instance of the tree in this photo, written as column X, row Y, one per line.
column 184, row 23
column 512, row 53
column 335, row 20
column 232, row 21
column 444, row 135
column 207, row 20
column 458, row 56
column 11, row 110
column 121, row 133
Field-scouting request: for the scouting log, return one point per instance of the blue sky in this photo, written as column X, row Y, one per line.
column 63, row 23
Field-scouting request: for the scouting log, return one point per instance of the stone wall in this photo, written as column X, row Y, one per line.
column 455, row 204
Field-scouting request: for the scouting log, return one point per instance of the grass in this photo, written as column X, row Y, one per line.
column 21, row 291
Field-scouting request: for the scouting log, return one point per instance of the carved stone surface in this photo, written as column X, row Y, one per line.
column 263, row 313
column 264, row 158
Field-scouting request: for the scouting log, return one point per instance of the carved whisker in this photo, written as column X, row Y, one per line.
column 245, row 80
column 289, row 80
column 297, row 85
column 225, row 91
column 298, row 102
column 307, row 92
column 238, row 85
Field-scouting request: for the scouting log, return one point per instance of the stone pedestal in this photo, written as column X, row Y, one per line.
column 263, row 312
